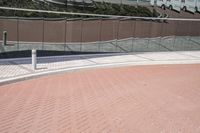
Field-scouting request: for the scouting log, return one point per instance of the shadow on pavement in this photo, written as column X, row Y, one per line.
column 26, row 55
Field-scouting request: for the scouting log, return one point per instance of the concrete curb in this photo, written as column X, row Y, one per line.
column 57, row 71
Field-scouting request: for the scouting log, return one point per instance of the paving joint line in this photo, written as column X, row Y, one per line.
column 189, row 55
column 89, row 60
column 20, row 66
column 159, row 44
column 31, row 73
column 124, row 50
column 71, row 69
column 194, row 42
column 144, row 57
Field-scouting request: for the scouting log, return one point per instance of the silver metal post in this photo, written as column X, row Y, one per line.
column 4, row 38
column 34, row 59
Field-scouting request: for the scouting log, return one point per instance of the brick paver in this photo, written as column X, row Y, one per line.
column 162, row 98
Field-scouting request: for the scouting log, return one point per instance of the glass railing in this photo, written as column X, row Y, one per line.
column 100, row 35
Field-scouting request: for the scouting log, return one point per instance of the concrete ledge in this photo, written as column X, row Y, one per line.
column 55, row 71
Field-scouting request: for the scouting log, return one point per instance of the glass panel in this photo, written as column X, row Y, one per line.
column 73, row 35
column 30, row 34
column 142, row 31
column 156, row 36
column 140, row 44
column 181, row 40
column 109, row 33
column 90, row 30
column 90, row 47
column 194, row 35
column 109, row 30
column 124, row 45
column 100, row 35
column 154, row 44
column 125, row 34
column 91, row 35
column 11, row 27
column 169, row 32
column 194, row 42
column 54, row 34
column 1, row 36
column 108, row 46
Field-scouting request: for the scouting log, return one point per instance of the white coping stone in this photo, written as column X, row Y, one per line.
column 22, row 70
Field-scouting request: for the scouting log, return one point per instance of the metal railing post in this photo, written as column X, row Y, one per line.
column 4, row 38
column 65, row 43
column 133, row 34
column 100, row 38
column 34, row 59
column 43, row 33
column 162, row 35
column 117, row 37
column 81, row 45
column 18, row 33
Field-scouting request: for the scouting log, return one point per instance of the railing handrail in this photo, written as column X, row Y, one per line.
column 97, row 15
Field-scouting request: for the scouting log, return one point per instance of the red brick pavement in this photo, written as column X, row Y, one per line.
column 138, row 99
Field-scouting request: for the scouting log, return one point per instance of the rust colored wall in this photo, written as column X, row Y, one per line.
column 30, row 31
column 11, row 27
column 93, row 30
column 54, row 31
column 73, row 31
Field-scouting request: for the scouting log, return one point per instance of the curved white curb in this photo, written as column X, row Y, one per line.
column 54, row 71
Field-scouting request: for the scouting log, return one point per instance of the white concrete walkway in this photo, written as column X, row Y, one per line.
column 19, row 69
